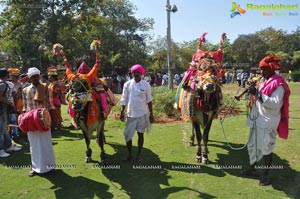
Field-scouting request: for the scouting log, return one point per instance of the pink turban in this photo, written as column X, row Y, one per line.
column 138, row 68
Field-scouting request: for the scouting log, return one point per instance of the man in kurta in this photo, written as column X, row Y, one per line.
column 137, row 99
column 267, row 119
column 42, row 156
column 55, row 99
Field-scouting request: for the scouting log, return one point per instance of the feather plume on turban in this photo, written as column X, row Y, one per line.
column 271, row 62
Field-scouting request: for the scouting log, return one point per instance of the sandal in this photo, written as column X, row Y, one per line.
column 32, row 173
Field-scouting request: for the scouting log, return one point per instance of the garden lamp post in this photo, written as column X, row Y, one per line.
column 169, row 9
column 41, row 50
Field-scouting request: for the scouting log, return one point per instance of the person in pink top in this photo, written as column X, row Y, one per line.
column 267, row 119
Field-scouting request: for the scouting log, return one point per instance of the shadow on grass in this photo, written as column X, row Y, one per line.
column 72, row 134
column 69, row 135
column 66, row 186
column 20, row 158
column 150, row 179
column 283, row 177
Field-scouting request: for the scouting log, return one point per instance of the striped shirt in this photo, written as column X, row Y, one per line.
column 28, row 99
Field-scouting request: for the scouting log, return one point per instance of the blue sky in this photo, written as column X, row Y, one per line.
column 213, row 16
column 197, row 16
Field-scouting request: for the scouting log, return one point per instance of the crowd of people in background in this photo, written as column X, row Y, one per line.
column 116, row 82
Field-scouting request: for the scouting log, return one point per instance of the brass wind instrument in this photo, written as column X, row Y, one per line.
column 252, row 84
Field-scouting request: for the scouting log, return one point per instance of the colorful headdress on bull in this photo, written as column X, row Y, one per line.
column 201, row 57
column 95, row 45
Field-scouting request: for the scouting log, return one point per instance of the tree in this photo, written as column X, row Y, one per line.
column 20, row 31
column 249, row 49
column 25, row 25
column 274, row 39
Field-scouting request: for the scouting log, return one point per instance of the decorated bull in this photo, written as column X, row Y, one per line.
column 199, row 95
column 88, row 103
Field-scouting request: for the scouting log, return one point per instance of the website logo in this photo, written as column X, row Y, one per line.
column 236, row 10
column 267, row 10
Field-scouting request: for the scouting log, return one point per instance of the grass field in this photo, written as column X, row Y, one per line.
column 168, row 169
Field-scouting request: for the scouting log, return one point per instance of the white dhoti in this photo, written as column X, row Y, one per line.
column 261, row 142
column 42, row 155
column 138, row 124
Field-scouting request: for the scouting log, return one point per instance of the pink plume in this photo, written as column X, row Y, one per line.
column 202, row 38
column 223, row 37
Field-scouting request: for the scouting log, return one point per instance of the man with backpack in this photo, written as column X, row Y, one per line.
column 5, row 141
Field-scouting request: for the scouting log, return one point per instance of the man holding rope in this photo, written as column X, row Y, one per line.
column 268, row 117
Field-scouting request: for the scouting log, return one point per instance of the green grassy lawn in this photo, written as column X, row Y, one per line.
column 168, row 169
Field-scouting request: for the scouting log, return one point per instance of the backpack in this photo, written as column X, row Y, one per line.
column 5, row 90
column 4, row 93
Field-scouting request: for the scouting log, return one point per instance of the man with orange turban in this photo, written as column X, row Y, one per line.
column 268, row 118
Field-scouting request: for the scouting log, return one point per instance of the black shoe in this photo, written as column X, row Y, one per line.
column 264, row 181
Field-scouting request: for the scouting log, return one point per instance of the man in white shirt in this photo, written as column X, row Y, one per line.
column 137, row 99
column 5, row 141
column 147, row 78
column 267, row 119
column 165, row 78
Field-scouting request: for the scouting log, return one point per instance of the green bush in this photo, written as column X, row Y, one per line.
column 295, row 75
column 164, row 98
column 163, row 102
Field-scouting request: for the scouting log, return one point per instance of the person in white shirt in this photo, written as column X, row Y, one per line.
column 165, row 78
column 239, row 78
column 267, row 119
column 6, row 145
column 147, row 78
column 137, row 100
